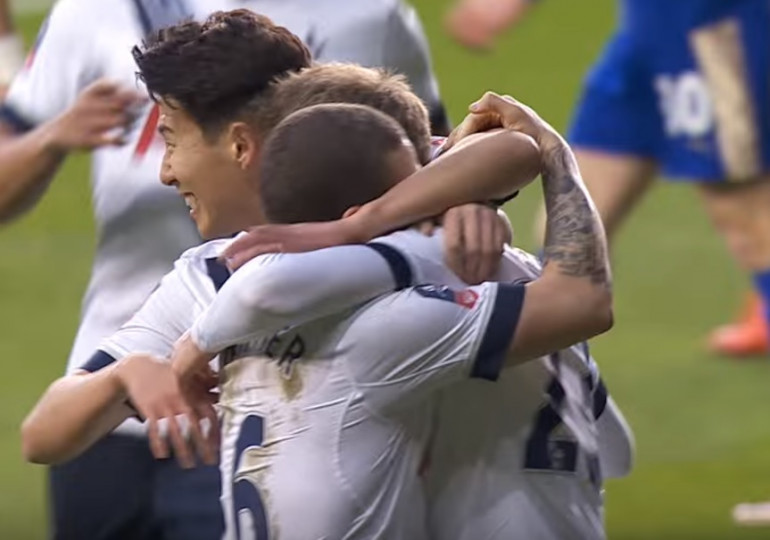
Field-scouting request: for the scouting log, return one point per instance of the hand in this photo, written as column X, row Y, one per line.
column 295, row 238
column 100, row 116
column 154, row 390
column 476, row 23
column 191, row 364
column 493, row 111
column 474, row 238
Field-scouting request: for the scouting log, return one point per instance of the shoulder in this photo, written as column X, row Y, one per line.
column 208, row 250
column 362, row 12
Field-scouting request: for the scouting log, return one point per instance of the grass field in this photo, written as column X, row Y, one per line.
column 702, row 431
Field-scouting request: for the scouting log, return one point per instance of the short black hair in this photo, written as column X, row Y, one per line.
column 324, row 159
column 213, row 69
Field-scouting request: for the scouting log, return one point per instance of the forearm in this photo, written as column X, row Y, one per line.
column 27, row 165
column 575, row 244
column 492, row 167
column 73, row 413
column 571, row 301
column 261, row 299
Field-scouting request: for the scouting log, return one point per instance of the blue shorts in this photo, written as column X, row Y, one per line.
column 692, row 93
column 117, row 490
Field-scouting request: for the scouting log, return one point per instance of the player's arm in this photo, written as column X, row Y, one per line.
column 491, row 167
column 130, row 368
column 80, row 408
column 272, row 292
column 476, row 23
column 50, row 110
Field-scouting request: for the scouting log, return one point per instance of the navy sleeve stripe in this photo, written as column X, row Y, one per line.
column 402, row 272
column 600, row 399
column 500, row 330
column 218, row 272
column 11, row 116
column 99, row 360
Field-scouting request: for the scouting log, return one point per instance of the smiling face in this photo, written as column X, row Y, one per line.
column 216, row 174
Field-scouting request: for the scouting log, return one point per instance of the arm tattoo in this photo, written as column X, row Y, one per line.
column 574, row 236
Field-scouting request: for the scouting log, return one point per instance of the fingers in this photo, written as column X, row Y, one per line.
column 490, row 248
column 179, row 443
column 158, row 445
column 209, row 444
column 236, row 259
column 427, row 227
column 454, row 243
column 200, row 440
column 471, row 255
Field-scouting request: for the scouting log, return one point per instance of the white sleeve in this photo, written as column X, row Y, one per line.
column 391, row 38
column 616, row 441
column 273, row 292
column 159, row 323
column 411, row 343
column 61, row 63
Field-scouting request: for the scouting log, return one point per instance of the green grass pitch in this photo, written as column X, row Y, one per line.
column 703, row 435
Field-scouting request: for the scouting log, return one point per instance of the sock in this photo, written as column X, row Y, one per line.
column 762, row 284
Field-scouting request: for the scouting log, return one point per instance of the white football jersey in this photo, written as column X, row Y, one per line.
column 141, row 225
column 326, row 425
column 329, row 420
column 517, row 459
column 533, row 471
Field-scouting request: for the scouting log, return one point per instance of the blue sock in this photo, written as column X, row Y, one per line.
column 762, row 284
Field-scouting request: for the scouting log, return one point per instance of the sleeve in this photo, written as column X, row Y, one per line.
column 267, row 295
column 616, row 440
column 391, row 37
column 417, row 341
column 61, row 63
column 154, row 329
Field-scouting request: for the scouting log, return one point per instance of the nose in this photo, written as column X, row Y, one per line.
column 167, row 176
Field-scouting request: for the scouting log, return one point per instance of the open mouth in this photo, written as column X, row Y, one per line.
column 191, row 202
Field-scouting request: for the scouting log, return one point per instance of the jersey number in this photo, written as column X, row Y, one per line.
column 685, row 103
column 249, row 513
column 546, row 453
column 543, row 452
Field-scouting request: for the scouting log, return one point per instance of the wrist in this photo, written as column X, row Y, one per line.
column 118, row 376
column 51, row 140
column 366, row 224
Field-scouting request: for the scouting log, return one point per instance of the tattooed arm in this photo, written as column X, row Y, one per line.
column 572, row 300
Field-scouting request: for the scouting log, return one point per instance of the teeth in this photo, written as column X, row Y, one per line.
column 189, row 200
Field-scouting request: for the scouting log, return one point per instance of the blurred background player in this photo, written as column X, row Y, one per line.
column 11, row 48
column 682, row 87
column 78, row 92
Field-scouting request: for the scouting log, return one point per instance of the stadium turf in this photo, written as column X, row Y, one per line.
column 703, row 435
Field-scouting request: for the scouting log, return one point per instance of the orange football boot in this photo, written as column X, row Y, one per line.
column 750, row 336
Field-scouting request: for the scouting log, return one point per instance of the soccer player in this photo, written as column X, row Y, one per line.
column 182, row 140
column 680, row 87
column 165, row 323
column 511, row 475
column 78, row 92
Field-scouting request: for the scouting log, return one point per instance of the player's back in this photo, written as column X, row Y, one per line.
column 516, row 458
column 307, row 452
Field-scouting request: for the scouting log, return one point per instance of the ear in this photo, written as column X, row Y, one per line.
column 245, row 144
column 351, row 211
